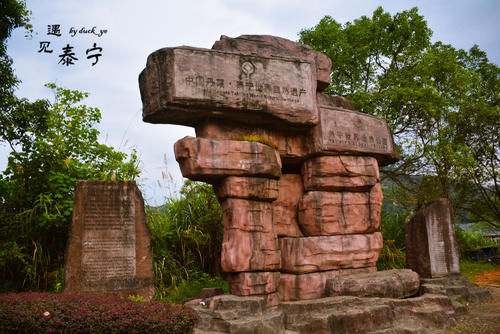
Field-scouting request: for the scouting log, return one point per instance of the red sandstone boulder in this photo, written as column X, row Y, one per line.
column 311, row 286
column 331, row 213
column 253, row 283
column 249, row 241
column 272, row 46
column 184, row 85
column 208, row 160
column 285, row 207
column 334, row 173
column 345, row 131
column 258, row 188
column 397, row 283
column 311, row 254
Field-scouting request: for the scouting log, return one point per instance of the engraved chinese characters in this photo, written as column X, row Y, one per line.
column 305, row 206
column 109, row 246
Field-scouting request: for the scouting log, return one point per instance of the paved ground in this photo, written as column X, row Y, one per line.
column 482, row 318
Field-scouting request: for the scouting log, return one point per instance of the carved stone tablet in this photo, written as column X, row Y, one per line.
column 431, row 246
column 182, row 85
column 109, row 247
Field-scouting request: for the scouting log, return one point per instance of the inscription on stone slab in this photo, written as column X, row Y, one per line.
column 353, row 131
column 249, row 82
column 109, row 249
column 108, row 245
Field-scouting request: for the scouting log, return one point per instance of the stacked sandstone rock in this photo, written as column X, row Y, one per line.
column 295, row 214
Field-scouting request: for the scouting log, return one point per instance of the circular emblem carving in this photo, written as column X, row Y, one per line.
column 247, row 68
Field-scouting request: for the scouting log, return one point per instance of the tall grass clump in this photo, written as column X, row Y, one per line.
column 393, row 254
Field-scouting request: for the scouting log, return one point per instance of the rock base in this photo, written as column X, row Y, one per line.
column 345, row 314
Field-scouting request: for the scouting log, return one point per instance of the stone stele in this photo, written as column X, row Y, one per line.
column 109, row 248
column 431, row 245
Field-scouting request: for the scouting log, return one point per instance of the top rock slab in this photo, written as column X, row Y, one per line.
column 272, row 46
column 185, row 85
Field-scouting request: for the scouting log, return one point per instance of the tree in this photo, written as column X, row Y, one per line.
column 441, row 103
column 53, row 146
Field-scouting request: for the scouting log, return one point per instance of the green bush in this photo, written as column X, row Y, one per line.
column 471, row 240
column 66, row 313
column 192, row 288
column 393, row 254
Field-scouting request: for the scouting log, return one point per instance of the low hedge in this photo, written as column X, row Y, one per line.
column 69, row 313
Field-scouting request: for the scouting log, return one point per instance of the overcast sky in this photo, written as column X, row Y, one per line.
column 137, row 28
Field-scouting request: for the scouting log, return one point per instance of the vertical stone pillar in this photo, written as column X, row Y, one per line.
column 109, row 247
column 431, row 245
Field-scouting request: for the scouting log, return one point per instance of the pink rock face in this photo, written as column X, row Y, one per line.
column 332, row 213
column 183, row 85
column 249, row 242
column 272, row 46
column 208, row 160
column 334, row 173
column 254, row 283
column 258, row 188
column 290, row 144
column 311, row 286
column 311, row 254
column 345, row 131
column 285, row 207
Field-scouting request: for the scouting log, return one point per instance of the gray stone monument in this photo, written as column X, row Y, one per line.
column 109, row 249
column 431, row 245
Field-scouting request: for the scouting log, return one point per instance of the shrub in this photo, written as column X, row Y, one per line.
column 393, row 254
column 70, row 313
column 192, row 288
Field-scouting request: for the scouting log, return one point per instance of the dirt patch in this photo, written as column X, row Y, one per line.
column 482, row 318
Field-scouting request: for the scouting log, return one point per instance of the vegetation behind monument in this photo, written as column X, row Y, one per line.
column 441, row 103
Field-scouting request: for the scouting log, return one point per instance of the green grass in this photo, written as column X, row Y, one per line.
column 470, row 268
column 192, row 288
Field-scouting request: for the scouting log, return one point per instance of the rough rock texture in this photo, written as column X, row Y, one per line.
column 346, row 314
column 344, row 131
column 183, row 85
column 285, row 207
column 290, row 144
column 249, row 242
column 210, row 292
column 207, row 160
column 272, row 46
column 109, row 247
column 311, row 254
column 233, row 314
column 431, row 246
column 254, row 283
column 258, row 188
column 332, row 213
column 342, row 172
column 396, row 283
column 311, row 286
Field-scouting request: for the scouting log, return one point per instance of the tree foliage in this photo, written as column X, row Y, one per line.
column 53, row 146
column 441, row 103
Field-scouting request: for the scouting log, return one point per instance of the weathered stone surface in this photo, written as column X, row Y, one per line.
column 350, row 132
column 249, row 241
column 455, row 286
column 311, row 254
column 431, row 246
column 290, row 144
column 272, row 46
column 341, row 172
column 311, row 286
column 257, row 188
column 109, row 250
column 253, row 283
column 396, row 283
column 347, row 314
column 207, row 160
column 285, row 207
column 233, row 314
column 183, row 85
column 332, row 213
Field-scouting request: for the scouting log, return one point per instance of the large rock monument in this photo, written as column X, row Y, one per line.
column 296, row 171
column 109, row 248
